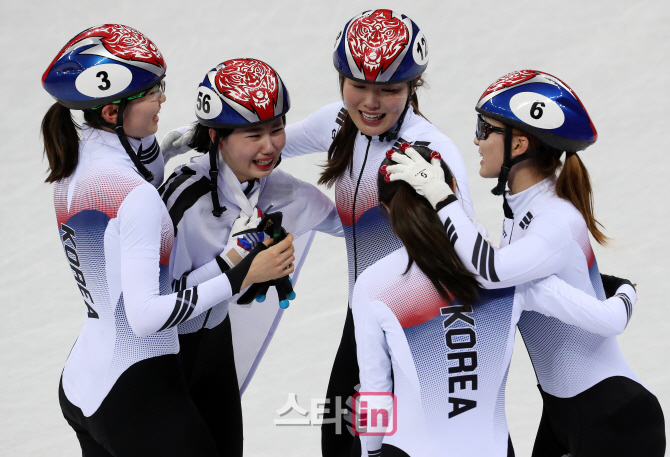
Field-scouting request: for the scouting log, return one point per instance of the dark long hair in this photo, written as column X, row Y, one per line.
column 572, row 184
column 61, row 139
column 61, row 142
column 341, row 150
column 419, row 228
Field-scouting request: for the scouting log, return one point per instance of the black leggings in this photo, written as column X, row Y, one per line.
column 208, row 361
column 344, row 378
column 148, row 411
column 615, row 418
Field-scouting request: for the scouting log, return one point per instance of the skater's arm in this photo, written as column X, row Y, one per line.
column 555, row 298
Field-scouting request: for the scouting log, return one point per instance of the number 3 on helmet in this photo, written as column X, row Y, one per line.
column 103, row 64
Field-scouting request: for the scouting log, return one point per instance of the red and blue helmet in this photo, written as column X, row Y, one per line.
column 240, row 93
column 103, row 64
column 380, row 46
column 541, row 105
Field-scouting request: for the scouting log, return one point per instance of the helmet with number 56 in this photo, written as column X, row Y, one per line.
column 237, row 93
column 241, row 93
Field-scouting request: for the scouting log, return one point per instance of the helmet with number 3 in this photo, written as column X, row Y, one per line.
column 103, row 64
column 541, row 105
column 381, row 46
column 240, row 93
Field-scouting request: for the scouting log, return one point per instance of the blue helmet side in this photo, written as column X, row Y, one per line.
column 240, row 93
column 381, row 46
column 541, row 105
column 103, row 64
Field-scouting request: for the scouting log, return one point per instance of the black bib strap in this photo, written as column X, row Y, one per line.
column 123, row 138
column 213, row 175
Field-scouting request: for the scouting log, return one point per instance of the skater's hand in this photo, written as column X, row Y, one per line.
column 612, row 284
column 176, row 142
column 247, row 241
column 272, row 263
column 427, row 179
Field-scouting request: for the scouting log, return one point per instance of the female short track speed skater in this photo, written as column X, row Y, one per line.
column 122, row 389
column 241, row 107
column 593, row 404
column 381, row 56
column 427, row 333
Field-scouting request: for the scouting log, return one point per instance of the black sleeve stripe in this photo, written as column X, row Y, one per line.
column 422, row 143
column 475, row 253
column 183, row 308
column 185, row 173
column 483, row 256
column 194, row 301
column 492, row 268
column 179, row 284
column 186, row 303
column 190, row 300
column 451, row 231
column 150, row 154
column 175, row 311
column 629, row 306
column 186, row 199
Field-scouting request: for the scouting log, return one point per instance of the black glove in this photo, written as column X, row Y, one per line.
column 271, row 225
column 237, row 274
column 612, row 283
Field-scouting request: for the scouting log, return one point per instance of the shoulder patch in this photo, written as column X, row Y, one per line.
column 150, row 154
column 525, row 222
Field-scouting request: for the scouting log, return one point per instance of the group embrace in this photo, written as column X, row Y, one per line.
column 185, row 279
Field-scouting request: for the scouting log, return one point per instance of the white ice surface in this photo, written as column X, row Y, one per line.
column 614, row 54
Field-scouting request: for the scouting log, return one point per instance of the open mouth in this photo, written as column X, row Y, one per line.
column 372, row 117
column 263, row 164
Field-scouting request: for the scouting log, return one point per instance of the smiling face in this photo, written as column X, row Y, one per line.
column 252, row 152
column 492, row 150
column 140, row 118
column 374, row 108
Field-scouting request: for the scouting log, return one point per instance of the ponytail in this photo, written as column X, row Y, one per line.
column 573, row 184
column 419, row 228
column 61, row 142
column 341, row 150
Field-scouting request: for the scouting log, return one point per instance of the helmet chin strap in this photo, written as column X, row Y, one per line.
column 123, row 138
column 213, row 175
column 509, row 162
column 392, row 135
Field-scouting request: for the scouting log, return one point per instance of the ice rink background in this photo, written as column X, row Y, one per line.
column 614, row 54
